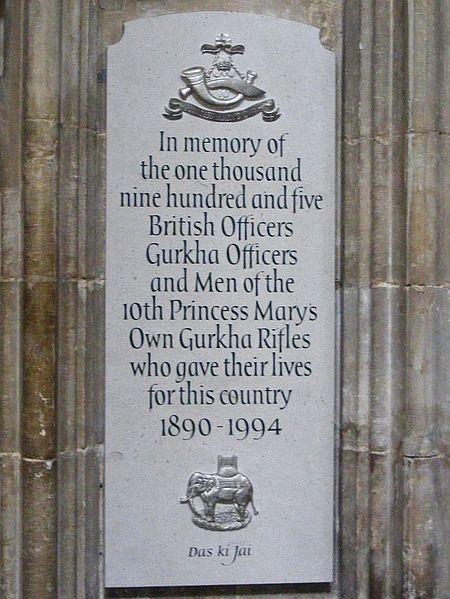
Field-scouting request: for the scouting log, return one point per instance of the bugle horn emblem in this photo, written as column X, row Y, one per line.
column 220, row 88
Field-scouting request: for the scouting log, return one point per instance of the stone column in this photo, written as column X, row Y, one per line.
column 392, row 517
column 395, row 300
column 29, row 175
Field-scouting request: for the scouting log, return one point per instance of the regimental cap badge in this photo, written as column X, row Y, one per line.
column 220, row 501
column 221, row 88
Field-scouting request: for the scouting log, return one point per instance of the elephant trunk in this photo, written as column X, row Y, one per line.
column 188, row 497
column 190, row 494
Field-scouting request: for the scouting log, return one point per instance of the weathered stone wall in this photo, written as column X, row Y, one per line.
column 392, row 531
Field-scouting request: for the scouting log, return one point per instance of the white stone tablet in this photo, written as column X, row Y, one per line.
column 220, row 302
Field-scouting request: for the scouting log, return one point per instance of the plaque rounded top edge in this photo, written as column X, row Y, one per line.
column 134, row 24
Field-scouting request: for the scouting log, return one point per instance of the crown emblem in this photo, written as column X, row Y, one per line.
column 215, row 92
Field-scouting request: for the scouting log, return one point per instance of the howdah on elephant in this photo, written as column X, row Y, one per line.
column 215, row 488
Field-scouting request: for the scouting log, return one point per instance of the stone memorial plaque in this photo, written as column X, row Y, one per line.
column 220, row 302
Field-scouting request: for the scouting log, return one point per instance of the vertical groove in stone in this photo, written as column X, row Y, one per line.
column 41, row 114
column 356, row 331
column 388, row 308
column 94, row 310
column 70, row 348
column 11, row 241
column 427, row 415
column 80, row 332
